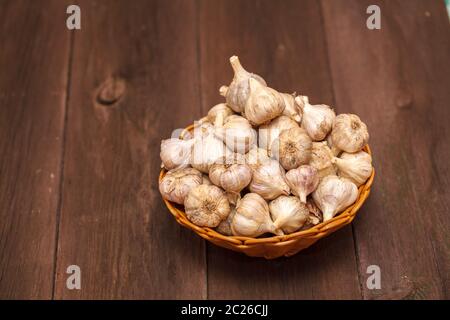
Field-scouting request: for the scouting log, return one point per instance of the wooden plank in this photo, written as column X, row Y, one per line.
column 285, row 43
column 34, row 65
column 114, row 224
column 397, row 79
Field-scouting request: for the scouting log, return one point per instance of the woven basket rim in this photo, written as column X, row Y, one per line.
column 316, row 231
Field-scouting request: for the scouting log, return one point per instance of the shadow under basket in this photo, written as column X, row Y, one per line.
column 276, row 246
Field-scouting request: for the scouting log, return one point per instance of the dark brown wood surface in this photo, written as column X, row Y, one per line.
column 82, row 114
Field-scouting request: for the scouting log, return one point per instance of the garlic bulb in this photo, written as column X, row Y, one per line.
column 321, row 159
column 255, row 157
column 333, row 195
column 224, row 227
column 220, row 108
column 263, row 103
column 237, row 92
column 206, row 150
column 269, row 181
column 176, row 153
column 302, row 181
column 206, row 205
column 291, row 108
column 294, row 148
column 230, row 177
column 349, row 133
column 288, row 213
column 268, row 133
column 176, row 184
column 317, row 119
column 357, row 167
column 252, row 217
column 237, row 134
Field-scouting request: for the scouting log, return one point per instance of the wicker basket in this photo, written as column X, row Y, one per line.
column 276, row 246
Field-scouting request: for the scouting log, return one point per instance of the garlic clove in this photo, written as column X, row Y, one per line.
column 176, row 153
column 294, row 148
column 291, row 108
column 357, row 167
column 303, row 181
column 176, row 184
column 269, row 180
column 288, row 213
column 237, row 134
column 206, row 205
column 263, row 103
column 252, row 217
column 333, row 195
column 349, row 133
column 322, row 159
column 220, row 108
column 237, row 92
column 317, row 119
column 269, row 133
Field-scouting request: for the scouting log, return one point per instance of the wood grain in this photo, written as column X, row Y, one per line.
column 285, row 43
column 397, row 79
column 134, row 80
column 34, row 65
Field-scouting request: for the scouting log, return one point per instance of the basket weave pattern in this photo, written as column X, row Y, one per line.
column 276, row 246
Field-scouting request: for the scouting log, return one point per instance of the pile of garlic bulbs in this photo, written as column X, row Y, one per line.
column 265, row 162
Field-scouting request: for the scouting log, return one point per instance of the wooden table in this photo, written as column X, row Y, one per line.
column 82, row 114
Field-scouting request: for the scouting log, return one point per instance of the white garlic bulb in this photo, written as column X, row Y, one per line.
column 302, row 181
column 317, row 119
column 291, row 108
column 263, row 103
column 255, row 157
column 176, row 184
column 357, row 167
column 294, row 148
column 288, row 213
column 268, row 133
column 333, row 195
column 349, row 133
column 176, row 153
column 230, row 177
column 269, row 180
column 224, row 227
column 206, row 205
column 322, row 159
column 237, row 92
column 237, row 134
column 206, row 150
column 252, row 217
column 220, row 108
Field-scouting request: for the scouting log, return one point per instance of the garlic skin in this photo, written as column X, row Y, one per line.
column 333, row 195
column 269, row 180
column 224, row 227
column 294, row 148
column 302, row 181
column 230, row 177
column 255, row 157
column 349, row 133
column 291, row 108
column 176, row 184
column 205, row 179
column 176, row 153
column 252, row 217
column 317, row 119
column 238, row 91
column 237, row 133
column 357, row 167
column 220, row 108
column 322, row 159
column 315, row 215
column 269, row 133
column 206, row 150
column 263, row 103
column 288, row 213
column 206, row 205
